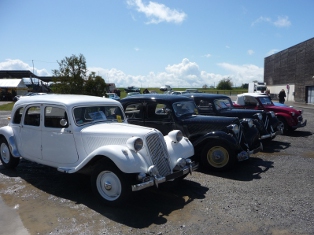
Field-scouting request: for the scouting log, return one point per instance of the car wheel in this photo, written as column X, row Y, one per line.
column 217, row 156
column 110, row 184
column 8, row 161
column 286, row 128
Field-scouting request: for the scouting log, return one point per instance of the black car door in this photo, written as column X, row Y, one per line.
column 159, row 116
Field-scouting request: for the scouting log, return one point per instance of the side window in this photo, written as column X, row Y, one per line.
column 134, row 111
column 205, row 105
column 32, row 116
column 18, row 116
column 157, row 112
column 53, row 116
column 250, row 101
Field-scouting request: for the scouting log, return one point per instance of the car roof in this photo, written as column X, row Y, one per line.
column 68, row 100
column 164, row 97
column 206, row 95
column 253, row 94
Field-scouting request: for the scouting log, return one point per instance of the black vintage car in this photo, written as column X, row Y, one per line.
column 221, row 105
column 218, row 141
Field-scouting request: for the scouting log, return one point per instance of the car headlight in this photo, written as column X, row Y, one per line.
column 292, row 114
column 272, row 113
column 135, row 144
column 248, row 121
column 234, row 128
column 260, row 116
column 175, row 136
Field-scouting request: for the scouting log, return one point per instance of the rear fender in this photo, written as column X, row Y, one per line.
column 8, row 134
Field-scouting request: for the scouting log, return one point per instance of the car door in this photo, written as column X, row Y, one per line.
column 58, row 144
column 157, row 116
column 134, row 113
column 29, row 144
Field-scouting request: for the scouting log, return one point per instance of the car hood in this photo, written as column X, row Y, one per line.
column 110, row 134
column 200, row 124
column 281, row 109
column 116, row 130
column 240, row 113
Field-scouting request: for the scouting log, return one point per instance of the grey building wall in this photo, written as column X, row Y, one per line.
column 294, row 65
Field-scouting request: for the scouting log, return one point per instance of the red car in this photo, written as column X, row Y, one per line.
column 290, row 117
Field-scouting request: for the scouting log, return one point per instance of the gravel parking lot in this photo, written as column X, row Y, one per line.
column 272, row 193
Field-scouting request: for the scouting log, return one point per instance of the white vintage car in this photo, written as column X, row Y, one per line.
column 76, row 133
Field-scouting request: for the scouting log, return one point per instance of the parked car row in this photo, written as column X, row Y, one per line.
column 137, row 142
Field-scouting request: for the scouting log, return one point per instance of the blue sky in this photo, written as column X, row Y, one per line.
column 182, row 43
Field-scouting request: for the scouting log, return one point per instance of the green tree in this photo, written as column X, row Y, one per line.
column 70, row 77
column 95, row 85
column 225, row 84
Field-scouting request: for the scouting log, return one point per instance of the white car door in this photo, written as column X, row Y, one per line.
column 58, row 144
column 29, row 145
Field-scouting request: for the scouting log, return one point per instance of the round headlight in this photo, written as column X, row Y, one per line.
column 135, row 143
column 234, row 128
column 175, row 136
column 272, row 114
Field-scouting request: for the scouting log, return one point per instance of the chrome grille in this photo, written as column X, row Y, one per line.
column 159, row 154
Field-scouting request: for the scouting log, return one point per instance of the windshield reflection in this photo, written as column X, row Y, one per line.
column 184, row 108
column 84, row 115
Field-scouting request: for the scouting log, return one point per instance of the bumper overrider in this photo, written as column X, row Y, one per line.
column 155, row 179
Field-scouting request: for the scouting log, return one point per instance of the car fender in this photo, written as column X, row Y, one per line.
column 8, row 134
column 184, row 149
column 218, row 135
column 128, row 161
column 287, row 118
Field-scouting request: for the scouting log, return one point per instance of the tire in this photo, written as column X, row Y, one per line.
column 110, row 184
column 286, row 128
column 217, row 156
column 8, row 161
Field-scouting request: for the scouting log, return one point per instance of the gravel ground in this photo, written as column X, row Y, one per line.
column 272, row 193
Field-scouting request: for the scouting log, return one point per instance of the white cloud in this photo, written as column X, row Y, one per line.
column 184, row 74
column 272, row 51
column 208, row 55
column 241, row 74
column 260, row 20
column 20, row 65
column 157, row 13
column 250, row 52
column 282, row 21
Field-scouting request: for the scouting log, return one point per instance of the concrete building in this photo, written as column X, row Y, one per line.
column 292, row 69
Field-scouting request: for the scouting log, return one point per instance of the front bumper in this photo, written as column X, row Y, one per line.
column 300, row 124
column 155, row 180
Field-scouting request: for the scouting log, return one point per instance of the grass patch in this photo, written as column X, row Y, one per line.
column 6, row 107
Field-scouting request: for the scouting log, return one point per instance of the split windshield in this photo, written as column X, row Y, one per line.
column 265, row 100
column 184, row 108
column 84, row 115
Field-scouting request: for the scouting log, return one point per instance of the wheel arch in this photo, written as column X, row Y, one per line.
column 6, row 132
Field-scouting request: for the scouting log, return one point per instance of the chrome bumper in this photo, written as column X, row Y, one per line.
column 155, row 180
column 300, row 124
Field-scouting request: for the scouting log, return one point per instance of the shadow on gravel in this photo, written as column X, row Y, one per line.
column 249, row 170
column 299, row 133
column 146, row 207
column 275, row 146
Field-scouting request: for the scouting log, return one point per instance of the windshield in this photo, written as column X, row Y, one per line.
column 222, row 103
column 84, row 115
column 184, row 108
column 265, row 100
